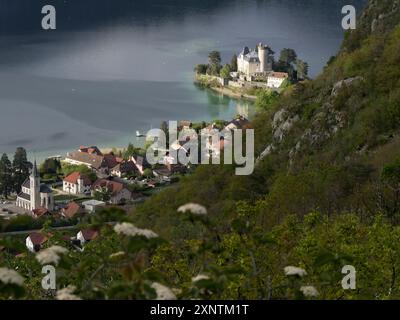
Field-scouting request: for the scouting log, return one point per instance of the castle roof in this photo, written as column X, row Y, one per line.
column 252, row 57
column 245, row 51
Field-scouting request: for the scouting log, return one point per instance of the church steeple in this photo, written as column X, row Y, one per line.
column 35, row 187
column 35, row 172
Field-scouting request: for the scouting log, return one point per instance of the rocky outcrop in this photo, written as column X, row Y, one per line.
column 346, row 82
column 282, row 123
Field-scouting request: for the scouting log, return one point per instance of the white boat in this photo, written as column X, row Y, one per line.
column 139, row 135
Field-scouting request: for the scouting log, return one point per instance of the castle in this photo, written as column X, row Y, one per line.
column 256, row 62
column 34, row 195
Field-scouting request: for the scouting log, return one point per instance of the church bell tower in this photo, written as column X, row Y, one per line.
column 35, row 187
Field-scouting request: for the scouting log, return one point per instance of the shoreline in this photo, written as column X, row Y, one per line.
column 230, row 93
column 212, row 83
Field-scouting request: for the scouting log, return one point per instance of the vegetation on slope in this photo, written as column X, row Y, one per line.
column 325, row 194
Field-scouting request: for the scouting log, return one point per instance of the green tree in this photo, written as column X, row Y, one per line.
column 302, row 69
column 50, row 166
column 6, row 180
column 288, row 56
column 225, row 71
column 201, row 68
column 148, row 173
column 266, row 99
column 131, row 151
column 67, row 169
column 102, row 194
column 214, row 61
column 21, row 168
column 234, row 65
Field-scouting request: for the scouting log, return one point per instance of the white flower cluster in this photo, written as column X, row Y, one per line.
column 200, row 277
column 309, row 291
column 9, row 276
column 295, row 271
column 67, row 294
column 130, row 230
column 117, row 255
column 193, row 208
column 51, row 255
column 163, row 292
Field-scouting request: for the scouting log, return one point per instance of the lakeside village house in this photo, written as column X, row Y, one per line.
column 38, row 199
column 256, row 65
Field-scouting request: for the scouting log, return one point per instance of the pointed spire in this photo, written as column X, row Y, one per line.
column 35, row 171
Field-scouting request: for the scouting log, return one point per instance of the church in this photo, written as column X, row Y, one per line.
column 35, row 195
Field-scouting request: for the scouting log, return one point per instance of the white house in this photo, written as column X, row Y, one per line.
column 275, row 79
column 93, row 205
column 84, row 236
column 77, row 183
column 35, row 241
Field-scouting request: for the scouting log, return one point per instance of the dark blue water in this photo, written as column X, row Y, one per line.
column 114, row 67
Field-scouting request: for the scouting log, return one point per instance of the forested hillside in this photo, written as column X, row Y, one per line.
column 325, row 193
column 328, row 184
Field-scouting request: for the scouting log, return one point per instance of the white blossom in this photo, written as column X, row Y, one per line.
column 117, row 255
column 130, row 230
column 200, row 277
column 309, row 291
column 67, row 294
column 50, row 255
column 193, row 208
column 163, row 292
column 295, row 271
column 9, row 276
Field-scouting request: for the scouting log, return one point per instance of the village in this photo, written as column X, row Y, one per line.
column 89, row 180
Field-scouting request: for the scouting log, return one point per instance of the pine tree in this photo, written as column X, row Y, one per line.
column 234, row 65
column 20, row 168
column 6, row 181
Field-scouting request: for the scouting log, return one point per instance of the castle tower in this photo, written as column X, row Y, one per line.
column 35, row 187
column 262, row 55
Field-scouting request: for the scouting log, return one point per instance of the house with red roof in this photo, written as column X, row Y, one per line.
column 77, row 183
column 72, row 210
column 117, row 191
column 86, row 235
column 90, row 150
column 40, row 212
column 35, row 241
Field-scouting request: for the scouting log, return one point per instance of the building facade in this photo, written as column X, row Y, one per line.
column 77, row 183
column 255, row 63
column 35, row 195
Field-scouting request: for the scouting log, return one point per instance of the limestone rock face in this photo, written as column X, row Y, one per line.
column 346, row 82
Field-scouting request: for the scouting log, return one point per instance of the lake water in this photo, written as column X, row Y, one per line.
column 114, row 67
